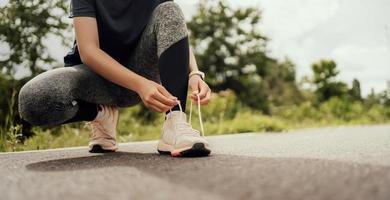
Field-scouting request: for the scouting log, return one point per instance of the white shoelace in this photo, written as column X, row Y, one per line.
column 98, row 131
column 96, row 128
column 199, row 114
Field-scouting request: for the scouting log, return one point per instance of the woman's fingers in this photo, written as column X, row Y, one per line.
column 158, row 106
column 204, row 88
column 206, row 99
column 193, row 95
column 163, row 99
column 156, row 97
column 165, row 92
column 203, row 92
column 194, row 87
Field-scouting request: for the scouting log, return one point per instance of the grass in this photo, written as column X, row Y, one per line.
column 10, row 133
column 224, row 115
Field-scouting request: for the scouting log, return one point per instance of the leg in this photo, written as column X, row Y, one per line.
column 162, row 54
column 175, row 79
column 69, row 94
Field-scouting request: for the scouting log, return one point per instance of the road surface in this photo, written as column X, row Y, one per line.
column 328, row 163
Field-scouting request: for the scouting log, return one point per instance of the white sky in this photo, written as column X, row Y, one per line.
column 355, row 33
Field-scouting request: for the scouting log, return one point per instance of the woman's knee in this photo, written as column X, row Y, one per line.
column 42, row 101
column 169, row 10
column 170, row 24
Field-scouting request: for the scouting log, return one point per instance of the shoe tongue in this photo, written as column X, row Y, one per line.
column 177, row 116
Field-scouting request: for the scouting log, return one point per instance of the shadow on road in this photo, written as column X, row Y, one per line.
column 94, row 161
column 240, row 177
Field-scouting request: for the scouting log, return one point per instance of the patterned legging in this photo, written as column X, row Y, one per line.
column 70, row 94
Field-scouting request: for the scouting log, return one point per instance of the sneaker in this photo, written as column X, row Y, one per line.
column 104, row 130
column 178, row 138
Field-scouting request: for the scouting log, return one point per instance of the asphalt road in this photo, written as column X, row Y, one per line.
column 329, row 163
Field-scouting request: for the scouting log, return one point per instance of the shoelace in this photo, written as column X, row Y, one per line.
column 189, row 119
column 95, row 127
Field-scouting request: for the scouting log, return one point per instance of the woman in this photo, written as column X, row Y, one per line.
column 123, row 49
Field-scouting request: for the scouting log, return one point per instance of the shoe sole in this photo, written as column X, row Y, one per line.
column 197, row 150
column 99, row 149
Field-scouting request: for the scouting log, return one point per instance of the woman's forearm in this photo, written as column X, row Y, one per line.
column 110, row 69
column 99, row 61
column 193, row 64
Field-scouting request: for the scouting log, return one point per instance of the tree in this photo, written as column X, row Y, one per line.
column 324, row 78
column 385, row 96
column 24, row 25
column 8, row 106
column 281, row 86
column 355, row 91
column 231, row 49
column 372, row 98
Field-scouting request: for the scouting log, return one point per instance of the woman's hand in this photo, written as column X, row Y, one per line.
column 155, row 96
column 198, row 86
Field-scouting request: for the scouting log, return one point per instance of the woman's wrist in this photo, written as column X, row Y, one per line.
column 197, row 73
column 137, row 83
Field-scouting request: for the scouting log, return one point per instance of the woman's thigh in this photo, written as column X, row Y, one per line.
column 51, row 97
column 91, row 87
column 166, row 27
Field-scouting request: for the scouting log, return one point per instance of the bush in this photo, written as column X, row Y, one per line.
column 243, row 123
column 333, row 112
column 224, row 115
column 45, row 139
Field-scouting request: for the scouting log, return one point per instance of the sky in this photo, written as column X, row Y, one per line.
column 354, row 33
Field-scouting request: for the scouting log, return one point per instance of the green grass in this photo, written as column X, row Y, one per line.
column 224, row 115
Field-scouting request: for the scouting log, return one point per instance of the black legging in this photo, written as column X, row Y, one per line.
column 71, row 94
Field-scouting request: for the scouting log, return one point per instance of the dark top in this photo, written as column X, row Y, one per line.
column 120, row 25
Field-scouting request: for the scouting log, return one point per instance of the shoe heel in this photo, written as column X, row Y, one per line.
column 99, row 149
column 163, row 148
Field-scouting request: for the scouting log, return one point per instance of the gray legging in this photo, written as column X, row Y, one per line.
column 54, row 97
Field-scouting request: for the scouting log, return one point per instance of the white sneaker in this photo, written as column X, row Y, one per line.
column 104, row 130
column 178, row 138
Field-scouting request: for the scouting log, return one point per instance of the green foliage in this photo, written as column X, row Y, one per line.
column 324, row 78
column 324, row 72
column 223, row 115
column 46, row 139
column 385, row 96
column 245, row 122
column 24, row 24
column 281, row 88
column 225, row 103
column 373, row 98
column 333, row 112
column 232, row 51
column 355, row 91
column 10, row 132
column 9, row 116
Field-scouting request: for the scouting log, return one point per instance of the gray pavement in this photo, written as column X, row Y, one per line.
column 327, row 163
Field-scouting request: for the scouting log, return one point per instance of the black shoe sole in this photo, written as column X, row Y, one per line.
column 197, row 150
column 98, row 149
